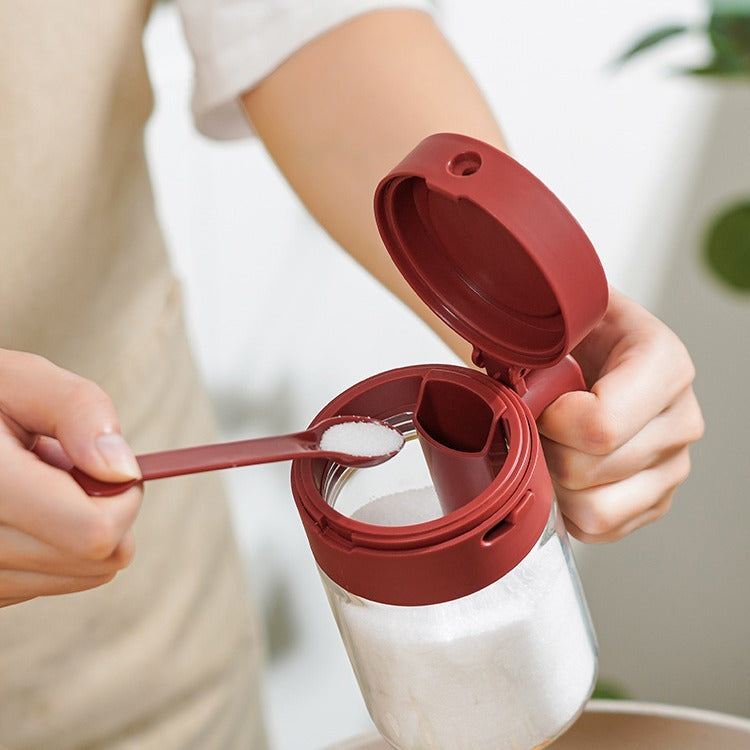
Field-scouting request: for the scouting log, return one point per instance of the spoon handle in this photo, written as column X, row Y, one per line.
column 200, row 458
column 262, row 450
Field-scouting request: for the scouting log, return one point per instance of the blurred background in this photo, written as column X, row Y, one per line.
column 645, row 158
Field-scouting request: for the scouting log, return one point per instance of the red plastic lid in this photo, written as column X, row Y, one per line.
column 448, row 557
column 492, row 251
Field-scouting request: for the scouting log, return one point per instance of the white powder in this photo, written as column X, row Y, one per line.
column 401, row 509
column 361, row 439
column 505, row 668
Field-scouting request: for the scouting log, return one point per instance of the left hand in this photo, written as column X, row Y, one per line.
column 616, row 454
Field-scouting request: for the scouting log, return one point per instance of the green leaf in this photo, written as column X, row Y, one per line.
column 609, row 690
column 716, row 69
column 729, row 34
column 730, row 7
column 727, row 246
column 651, row 40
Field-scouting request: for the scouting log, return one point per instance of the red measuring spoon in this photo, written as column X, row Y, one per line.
column 263, row 450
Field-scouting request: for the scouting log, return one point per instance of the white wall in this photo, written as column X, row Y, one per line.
column 283, row 320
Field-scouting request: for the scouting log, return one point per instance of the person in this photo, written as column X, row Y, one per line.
column 103, row 647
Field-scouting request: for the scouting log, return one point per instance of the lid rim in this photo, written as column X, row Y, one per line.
column 433, row 565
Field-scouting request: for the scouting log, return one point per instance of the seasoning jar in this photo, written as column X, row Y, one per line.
column 448, row 568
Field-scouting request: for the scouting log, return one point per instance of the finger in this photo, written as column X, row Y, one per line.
column 47, row 400
column 52, row 453
column 674, row 428
column 625, row 397
column 21, row 552
column 599, row 511
column 657, row 511
column 20, row 585
column 11, row 428
column 48, row 504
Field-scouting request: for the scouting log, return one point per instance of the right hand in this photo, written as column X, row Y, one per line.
column 618, row 452
column 54, row 538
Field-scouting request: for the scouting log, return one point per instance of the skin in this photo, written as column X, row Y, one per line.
column 616, row 454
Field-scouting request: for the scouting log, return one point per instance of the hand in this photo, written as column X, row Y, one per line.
column 54, row 538
column 617, row 454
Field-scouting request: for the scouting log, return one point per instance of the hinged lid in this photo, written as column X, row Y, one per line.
column 493, row 252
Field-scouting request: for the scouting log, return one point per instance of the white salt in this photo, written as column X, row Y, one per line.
column 401, row 508
column 361, row 439
column 505, row 668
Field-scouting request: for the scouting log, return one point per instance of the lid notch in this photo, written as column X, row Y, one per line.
column 465, row 164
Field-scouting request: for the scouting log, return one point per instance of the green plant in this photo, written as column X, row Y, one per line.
column 610, row 690
column 727, row 246
column 727, row 31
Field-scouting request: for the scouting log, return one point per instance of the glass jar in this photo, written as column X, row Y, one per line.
column 509, row 666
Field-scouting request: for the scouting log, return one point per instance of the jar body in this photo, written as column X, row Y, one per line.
column 466, row 627
column 508, row 667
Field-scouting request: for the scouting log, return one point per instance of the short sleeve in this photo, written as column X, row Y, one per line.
column 237, row 43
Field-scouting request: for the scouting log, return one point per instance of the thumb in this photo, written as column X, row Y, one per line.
column 47, row 400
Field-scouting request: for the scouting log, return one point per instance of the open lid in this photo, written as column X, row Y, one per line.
column 492, row 251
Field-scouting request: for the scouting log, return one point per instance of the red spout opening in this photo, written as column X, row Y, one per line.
column 461, row 434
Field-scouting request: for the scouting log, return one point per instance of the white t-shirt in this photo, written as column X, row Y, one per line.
column 237, row 44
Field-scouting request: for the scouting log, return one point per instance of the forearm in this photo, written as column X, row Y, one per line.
column 346, row 108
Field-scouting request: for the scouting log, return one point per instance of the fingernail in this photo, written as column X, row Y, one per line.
column 117, row 455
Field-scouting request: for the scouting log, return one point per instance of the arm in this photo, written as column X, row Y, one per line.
column 337, row 116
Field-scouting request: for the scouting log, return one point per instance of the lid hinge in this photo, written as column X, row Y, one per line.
column 513, row 376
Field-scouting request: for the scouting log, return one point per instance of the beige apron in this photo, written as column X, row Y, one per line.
column 168, row 654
